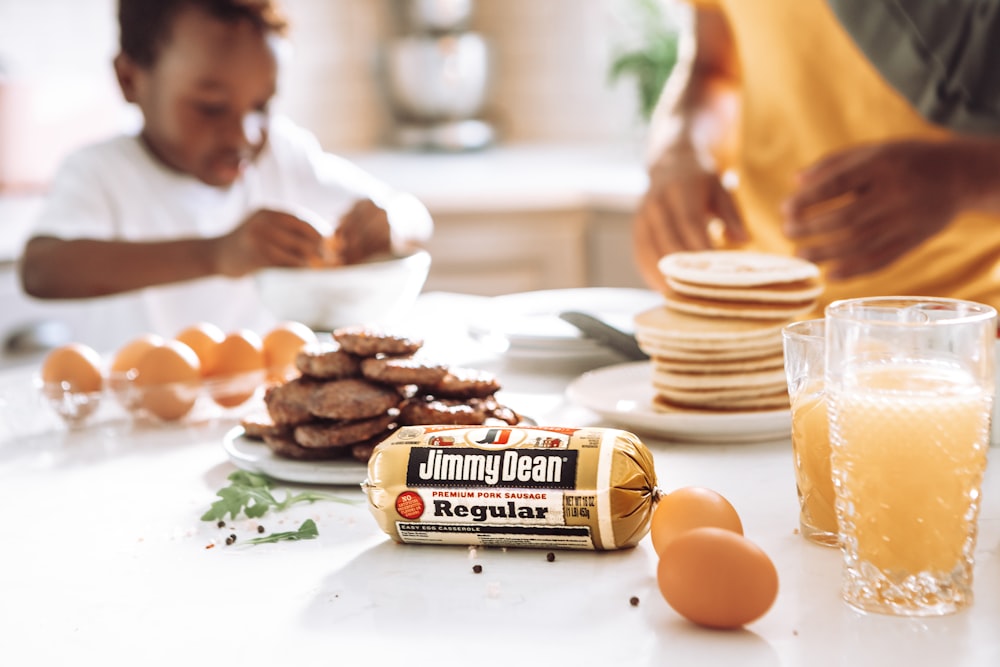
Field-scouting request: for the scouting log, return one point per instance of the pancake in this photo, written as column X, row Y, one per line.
column 736, row 268
column 666, row 324
column 795, row 292
column 721, row 381
column 709, row 349
column 716, row 342
column 737, row 310
column 715, row 365
column 683, row 402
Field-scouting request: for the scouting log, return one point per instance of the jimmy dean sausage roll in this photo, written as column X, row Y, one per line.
column 566, row 488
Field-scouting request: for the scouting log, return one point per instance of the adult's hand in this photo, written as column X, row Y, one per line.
column 684, row 196
column 860, row 209
column 267, row 238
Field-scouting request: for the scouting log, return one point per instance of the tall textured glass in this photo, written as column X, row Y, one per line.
column 909, row 385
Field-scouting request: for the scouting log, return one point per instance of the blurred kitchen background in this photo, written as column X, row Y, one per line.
column 501, row 115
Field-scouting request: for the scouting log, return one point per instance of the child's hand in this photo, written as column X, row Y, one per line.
column 267, row 238
column 363, row 232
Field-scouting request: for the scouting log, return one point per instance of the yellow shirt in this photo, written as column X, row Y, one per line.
column 807, row 91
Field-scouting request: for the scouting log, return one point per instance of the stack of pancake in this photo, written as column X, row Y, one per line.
column 716, row 342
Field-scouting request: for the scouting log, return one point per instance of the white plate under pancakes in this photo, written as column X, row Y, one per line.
column 623, row 395
column 527, row 324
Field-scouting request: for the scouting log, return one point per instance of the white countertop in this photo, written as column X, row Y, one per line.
column 105, row 559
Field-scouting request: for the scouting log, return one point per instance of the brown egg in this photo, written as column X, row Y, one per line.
column 690, row 507
column 716, row 578
column 238, row 369
column 204, row 339
column 75, row 367
column 168, row 379
column 128, row 355
column 123, row 366
column 282, row 344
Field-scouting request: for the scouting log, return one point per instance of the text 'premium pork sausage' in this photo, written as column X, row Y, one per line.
column 545, row 487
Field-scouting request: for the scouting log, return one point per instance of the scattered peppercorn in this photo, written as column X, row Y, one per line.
column 221, row 524
column 550, row 556
column 260, row 529
column 477, row 568
column 634, row 601
column 231, row 539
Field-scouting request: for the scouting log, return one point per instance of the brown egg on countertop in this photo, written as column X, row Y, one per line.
column 717, row 578
column 168, row 380
column 75, row 367
column 72, row 381
column 204, row 339
column 123, row 366
column 282, row 344
column 690, row 507
column 238, row 369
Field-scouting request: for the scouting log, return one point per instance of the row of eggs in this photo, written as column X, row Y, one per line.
column 165, row 376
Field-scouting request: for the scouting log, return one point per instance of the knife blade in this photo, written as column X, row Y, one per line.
column 604, row 334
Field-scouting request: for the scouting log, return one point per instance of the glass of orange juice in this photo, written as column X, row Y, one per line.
column 805, row 349
column 909, row 387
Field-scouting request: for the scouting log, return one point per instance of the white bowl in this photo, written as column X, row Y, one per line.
column 373, row 292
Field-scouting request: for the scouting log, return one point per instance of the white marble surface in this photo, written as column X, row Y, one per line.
column 105, row 560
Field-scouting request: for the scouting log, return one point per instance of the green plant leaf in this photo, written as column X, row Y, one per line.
column 249, row 493
column 307, row 531
column 651, row 62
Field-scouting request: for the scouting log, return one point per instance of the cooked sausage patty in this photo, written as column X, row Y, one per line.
column 371, row 342
column 327, row 361
column 430, row 410
column 285, row 445
column 351, row 399
column 288, row 403
column 320, row 434
column 463, row 383
column 403, row 370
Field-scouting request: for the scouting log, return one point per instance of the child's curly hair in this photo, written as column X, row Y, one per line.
column 144, row 25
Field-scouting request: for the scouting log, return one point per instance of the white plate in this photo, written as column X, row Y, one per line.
column 528, row 324
column 623, row 395
column 254, row 456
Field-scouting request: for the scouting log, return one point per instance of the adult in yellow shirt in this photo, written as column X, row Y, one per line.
column 861, row 134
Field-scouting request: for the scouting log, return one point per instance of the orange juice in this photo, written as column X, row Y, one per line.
column 909, row 452
column 813, row 479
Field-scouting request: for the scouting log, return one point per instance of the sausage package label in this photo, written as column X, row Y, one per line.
column 545, row 487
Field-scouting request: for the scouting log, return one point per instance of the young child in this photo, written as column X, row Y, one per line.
column 168, row 225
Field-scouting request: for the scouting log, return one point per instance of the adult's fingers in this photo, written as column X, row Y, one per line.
column 725, row 208
column 691, row 216
column 826, row 187
column 868, row 228
column 872, row 258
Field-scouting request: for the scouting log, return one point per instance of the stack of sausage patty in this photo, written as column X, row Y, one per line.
column 716, row 342
column 356, row 389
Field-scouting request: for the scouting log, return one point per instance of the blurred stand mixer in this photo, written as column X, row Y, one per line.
column 437, row 75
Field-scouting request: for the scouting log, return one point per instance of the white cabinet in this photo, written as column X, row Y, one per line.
column 503, row 252
column 517, row 218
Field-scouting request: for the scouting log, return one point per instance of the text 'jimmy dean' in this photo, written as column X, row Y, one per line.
column 430, row 466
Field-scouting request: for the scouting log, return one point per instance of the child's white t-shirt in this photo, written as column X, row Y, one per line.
column 116, row 190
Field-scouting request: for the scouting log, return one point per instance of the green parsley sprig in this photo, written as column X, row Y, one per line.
column 307, row 531
column 250, row 493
